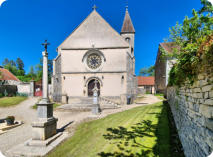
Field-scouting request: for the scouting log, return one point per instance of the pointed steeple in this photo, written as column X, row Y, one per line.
column 127, row 24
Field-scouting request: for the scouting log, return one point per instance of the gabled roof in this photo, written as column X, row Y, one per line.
column 6, row 75
column 127, row 24
column 146, row 81
column 94, row 31
column 169, row 47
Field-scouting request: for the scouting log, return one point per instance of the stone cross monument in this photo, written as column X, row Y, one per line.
column 46, row 125
column 96, row 106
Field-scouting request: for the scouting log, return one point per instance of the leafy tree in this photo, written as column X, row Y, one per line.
column 5, row 62
column 207, row 7
column 12, row 63
column 189, row 37
column 147, row 71
column 20, row 64
column 151, row 71
column 12, row 69
column 143, row 71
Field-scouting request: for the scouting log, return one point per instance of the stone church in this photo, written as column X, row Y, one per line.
column 96, row 51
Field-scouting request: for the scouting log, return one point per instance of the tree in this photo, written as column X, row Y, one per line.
column 12, row 69
column 207, row 7
column 5, row 62
column 20, row 64
column 150, row 71
column 32, row 72
column 189, row 37
column 12, row 63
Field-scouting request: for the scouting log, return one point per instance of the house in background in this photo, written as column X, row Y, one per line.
column 7, row 78
column 146, row 84
column 163, row 65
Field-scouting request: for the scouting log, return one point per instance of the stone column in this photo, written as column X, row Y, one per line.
column 46, row 125
column 96, row 106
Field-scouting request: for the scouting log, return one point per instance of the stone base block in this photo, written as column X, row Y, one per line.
column 44, row 129
column 25, row 150
column 39, row 143
column 96, row 109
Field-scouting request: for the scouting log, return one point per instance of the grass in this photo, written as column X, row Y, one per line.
column 139, row 132
column 54, row 106
column 139, row 98
column 160, row 96
column 11, row 101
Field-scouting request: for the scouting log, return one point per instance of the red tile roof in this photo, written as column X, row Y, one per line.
column 146, row 81
column 6, row 75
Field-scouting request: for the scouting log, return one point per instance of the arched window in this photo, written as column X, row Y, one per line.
column 127, row 39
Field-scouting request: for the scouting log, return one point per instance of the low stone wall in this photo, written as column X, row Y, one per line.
column 26, row 88
column 192, row 108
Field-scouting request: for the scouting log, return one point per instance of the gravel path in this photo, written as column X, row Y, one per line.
column 22, row 112
column 25, row 113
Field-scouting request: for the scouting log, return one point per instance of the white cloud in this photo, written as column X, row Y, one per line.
column 1, row 2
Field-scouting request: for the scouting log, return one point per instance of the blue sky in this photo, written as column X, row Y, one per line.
column 25, row 24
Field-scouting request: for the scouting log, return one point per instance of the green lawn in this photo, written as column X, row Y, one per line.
column 54, row 106
column 11, row 101
column 139, row 132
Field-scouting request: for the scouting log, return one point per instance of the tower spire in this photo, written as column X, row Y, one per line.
column 127, row 24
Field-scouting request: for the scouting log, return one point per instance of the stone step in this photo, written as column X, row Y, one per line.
column 85, row 107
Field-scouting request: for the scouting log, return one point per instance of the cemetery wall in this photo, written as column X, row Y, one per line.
column 26, row 88
column 192, row 108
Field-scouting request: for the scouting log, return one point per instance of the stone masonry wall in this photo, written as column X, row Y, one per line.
column 192, row 108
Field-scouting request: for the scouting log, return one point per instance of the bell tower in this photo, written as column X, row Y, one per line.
column 128, row 31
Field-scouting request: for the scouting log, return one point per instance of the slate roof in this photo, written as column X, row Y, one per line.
column 146, row 81
column 6, row 75
column 127, row 24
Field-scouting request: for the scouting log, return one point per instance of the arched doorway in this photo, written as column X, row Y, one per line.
column 91, row 86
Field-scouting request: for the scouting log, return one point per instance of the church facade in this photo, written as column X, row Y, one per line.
column 95, row 51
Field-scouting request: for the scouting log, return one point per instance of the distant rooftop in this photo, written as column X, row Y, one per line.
column 146, row 81
column 169, row 46
column 6, row 75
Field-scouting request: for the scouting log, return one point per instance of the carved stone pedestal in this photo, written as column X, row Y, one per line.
column 46, row 126
column 96, row 109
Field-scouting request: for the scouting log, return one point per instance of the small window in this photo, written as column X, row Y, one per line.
column 128, row 39
column 132, row 50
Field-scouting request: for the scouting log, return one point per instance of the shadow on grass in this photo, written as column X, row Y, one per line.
column 62, row 129
column 128, row 139
column 125, row 138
